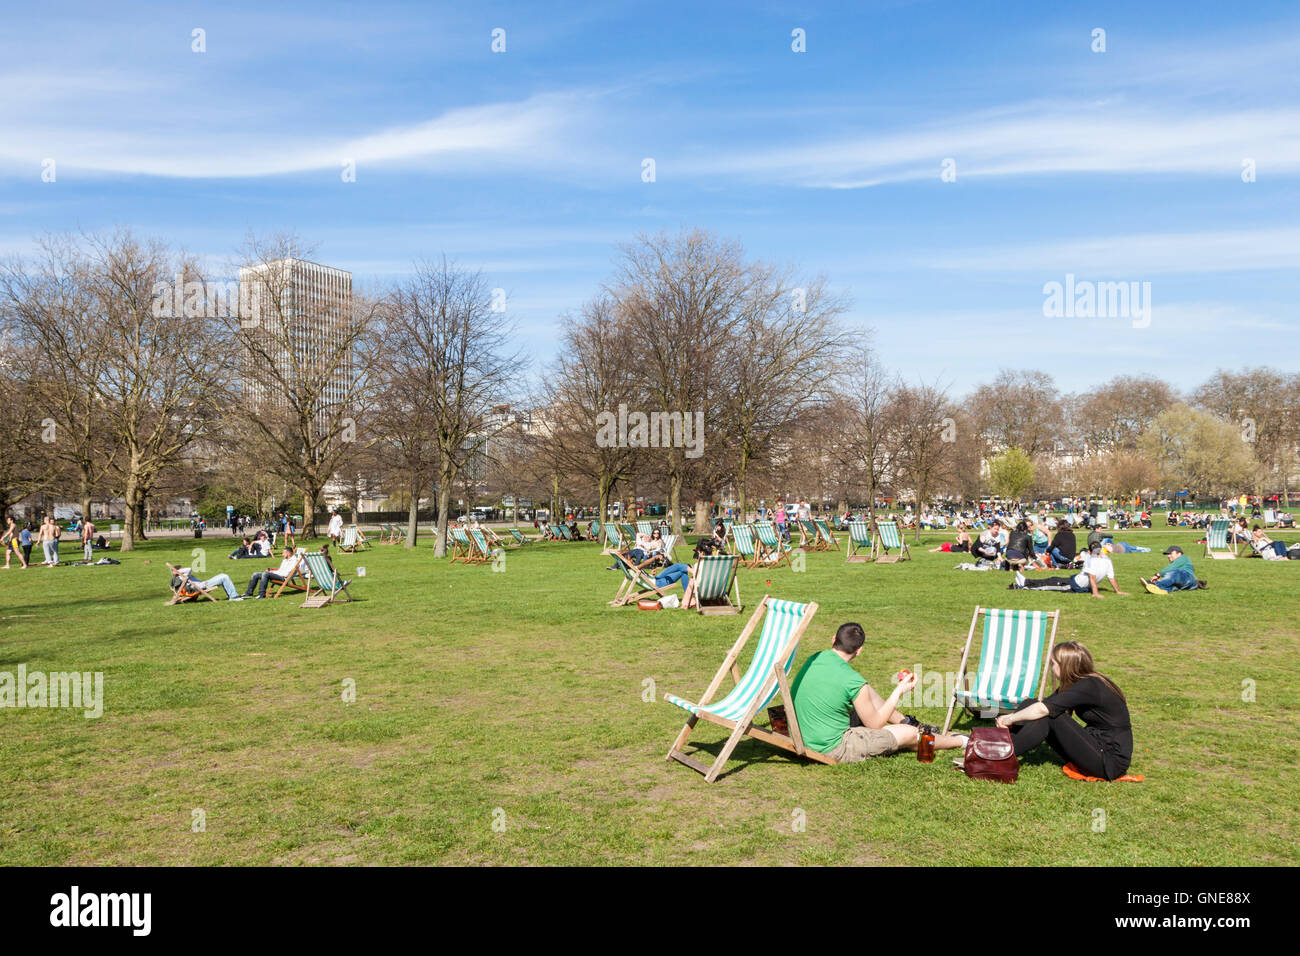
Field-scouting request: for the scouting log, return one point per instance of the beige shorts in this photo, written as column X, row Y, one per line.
column 862, row 743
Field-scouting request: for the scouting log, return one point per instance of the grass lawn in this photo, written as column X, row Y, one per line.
column 516, row 699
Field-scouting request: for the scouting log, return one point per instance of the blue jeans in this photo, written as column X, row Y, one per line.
column 672, row 574
column 222, row 581
column 1178, row 580
column 1060, row 559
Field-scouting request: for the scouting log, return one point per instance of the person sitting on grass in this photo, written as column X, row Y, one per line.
column 1063, row 548
column 841, row 716
column 1179, row 575
column 245, row 550
column 1265, row 547
column 1020, row 546
column 962, row 543
column 1096, row 567
column 1103, row 746
column 261, row 579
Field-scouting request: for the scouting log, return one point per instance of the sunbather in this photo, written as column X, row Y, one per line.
column 1266, row 547
column 1096, row 567
column 1178, row 576
column 220, row 581
column 261, row 579
column 1103, row 746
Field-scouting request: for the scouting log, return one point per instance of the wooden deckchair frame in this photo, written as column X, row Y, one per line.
column 810, row 538
column 963, row 675
column 879, row 553
column 782, row 553
column 1229, row 551
column 636, row 584
column 188, row 589
column 855, row 552
column 322, row 595
column 358, row 543
column 693, row 600
column 792, row 742
column 824, row 530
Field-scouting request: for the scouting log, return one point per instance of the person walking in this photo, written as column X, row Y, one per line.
column 49, row 537
column 10, row 541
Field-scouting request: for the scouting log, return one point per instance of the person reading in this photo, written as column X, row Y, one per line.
column 840, row 714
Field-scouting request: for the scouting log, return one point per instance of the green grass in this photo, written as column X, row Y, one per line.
column 517, row 696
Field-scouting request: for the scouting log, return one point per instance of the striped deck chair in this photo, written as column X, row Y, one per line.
column 670, row 547
column 519, row 538
column 1270, row 518
column 613, row 538
column 645, row 527
column 769, row 671
column 743, row 544
column 296, row 582
column 187, row 589
column 458, row 541
column 824, row 530
column 353, row 539
column 323, row 582
column 562, row 532
column 889, row 539
column 712, row 581
column 809, row 539
column 1220, row 542
column 1013, row 664
column 594, row 528
column 775, row 551
column 637, row 583
column 482, row 549
column 859, row 548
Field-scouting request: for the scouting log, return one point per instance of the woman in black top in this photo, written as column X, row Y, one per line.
column 1063, row 547
column 1020, row 546
column 1103, row 746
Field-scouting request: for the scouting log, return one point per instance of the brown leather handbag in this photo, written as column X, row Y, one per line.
column 990, row 755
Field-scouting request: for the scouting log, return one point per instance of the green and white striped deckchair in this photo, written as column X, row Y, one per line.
column 712, row 581
column 637, row 583
column 353, row 539
column 629, row 532
column 461, row 549
column 1013, row 662
column 519, row 538
column 481, row 550
column 645, row 527
column 323, row 582
column 889, row 539
column 859, row 548
column 1270, row 518
column 774, row 550
column 824, row 530
column 769, row 671
column 809, row 538
column 563, row 531
column 594, row 528
column 613, row 539
column 742, row 543
column 1220, row 543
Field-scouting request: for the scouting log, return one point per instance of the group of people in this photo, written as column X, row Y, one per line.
column 649, row 552
column 842, row 716
column 291, row 563
column 18, row 540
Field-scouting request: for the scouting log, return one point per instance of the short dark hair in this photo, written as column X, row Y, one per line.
column 849, row 638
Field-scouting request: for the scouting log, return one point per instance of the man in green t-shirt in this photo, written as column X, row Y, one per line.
column 841, row 716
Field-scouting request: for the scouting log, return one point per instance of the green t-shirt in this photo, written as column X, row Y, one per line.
column 823, row 699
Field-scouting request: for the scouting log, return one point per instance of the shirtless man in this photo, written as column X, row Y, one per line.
column 88, row 540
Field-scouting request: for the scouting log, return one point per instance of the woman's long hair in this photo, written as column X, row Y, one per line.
column 1076, row 663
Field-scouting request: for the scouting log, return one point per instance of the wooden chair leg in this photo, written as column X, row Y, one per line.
column 680, row 742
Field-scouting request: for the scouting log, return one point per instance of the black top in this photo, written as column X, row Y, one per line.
column 1105, row 714
column 1020, row 541
column 1064, row 540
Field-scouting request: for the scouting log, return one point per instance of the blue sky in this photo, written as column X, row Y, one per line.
column 1117, row 166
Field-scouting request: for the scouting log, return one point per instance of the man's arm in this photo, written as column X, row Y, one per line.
column 874, row 712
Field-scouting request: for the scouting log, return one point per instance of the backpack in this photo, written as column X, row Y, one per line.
column 990, row 755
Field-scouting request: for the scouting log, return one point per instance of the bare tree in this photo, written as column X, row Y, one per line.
column 456, row 356
column 924, row 453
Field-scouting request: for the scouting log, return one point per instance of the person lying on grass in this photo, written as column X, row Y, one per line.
column 1179, row 575
column 1103, row 746
column 961, row 544
column 1097, row 567
column 841, row 716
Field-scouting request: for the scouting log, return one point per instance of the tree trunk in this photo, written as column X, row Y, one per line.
column 675, row 502
column 703, row 524
column 445, row 480
column 742, row 467
column 308, row 512
column 413, row 517
column 129, row 501
column 83, row 487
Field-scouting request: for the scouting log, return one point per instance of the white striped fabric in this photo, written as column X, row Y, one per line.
column 644, row 527
column 889, row 535
column 779, row 623
column 714, row 579
column 481, row 541
column 1216, row 539
column 349, row 537
column 1011, row 658
column 613, row 537
column 860, row 532
column 767, row 534
column 742, row 536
